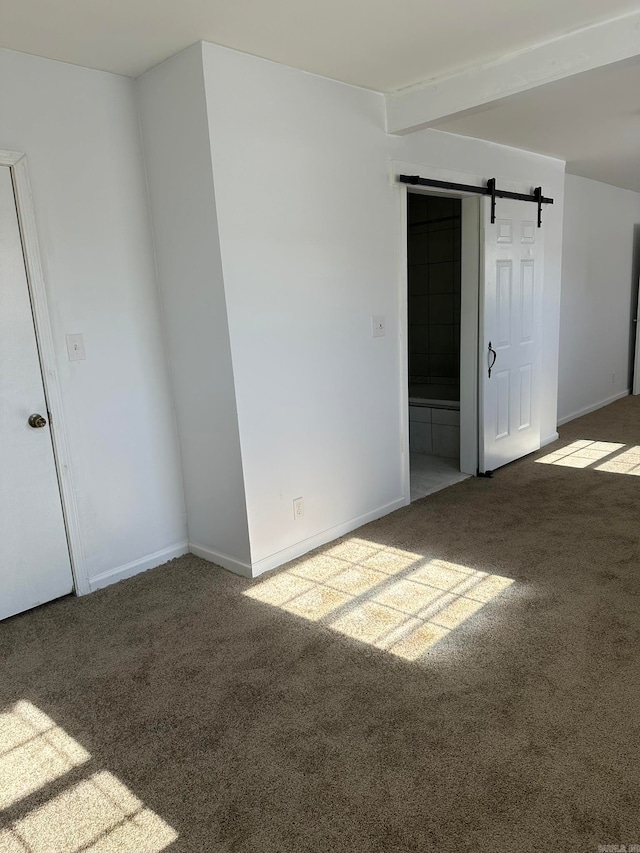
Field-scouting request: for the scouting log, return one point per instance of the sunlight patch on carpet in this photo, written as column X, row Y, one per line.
column 623, row 463
column 582, row 454
column 34, row 751
column 392, row 599
column 97, row 814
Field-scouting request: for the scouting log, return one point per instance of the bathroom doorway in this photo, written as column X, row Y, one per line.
column 434, row 304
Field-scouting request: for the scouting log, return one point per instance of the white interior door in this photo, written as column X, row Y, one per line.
column 34, row 558
column 510, row 333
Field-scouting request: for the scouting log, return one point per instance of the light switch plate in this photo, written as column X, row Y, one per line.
column 377, row 326
column 75, row 348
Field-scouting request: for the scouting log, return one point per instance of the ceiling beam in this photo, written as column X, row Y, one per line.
column 463, row 92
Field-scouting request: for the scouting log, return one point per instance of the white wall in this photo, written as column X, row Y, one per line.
column 277, row 228
column 307, row 222
column 309, row 228
column 183, row 205
column 599, row 289
column 79, row 129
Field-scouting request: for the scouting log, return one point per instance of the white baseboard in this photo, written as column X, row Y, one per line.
column 594, row 407
column 221, row 559
column 300, row 548
column 293, row 551
column 137, row 566
column 549, row 439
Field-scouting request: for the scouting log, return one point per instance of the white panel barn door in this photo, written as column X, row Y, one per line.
column 34, row 559
column 510, row 333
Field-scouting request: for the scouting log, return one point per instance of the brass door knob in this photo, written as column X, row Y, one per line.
column 37, row 421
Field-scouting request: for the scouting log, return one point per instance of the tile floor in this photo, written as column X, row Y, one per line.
column 431, row 473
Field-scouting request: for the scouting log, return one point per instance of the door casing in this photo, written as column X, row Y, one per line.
column 17, row 163
column 470, row 268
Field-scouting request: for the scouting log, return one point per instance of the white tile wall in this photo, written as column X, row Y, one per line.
column 420, row 440
column 420, row 413
column 434, row 431
column 445, row 440
column 451, row 417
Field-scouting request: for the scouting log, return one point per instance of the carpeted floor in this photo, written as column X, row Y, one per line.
column 174, row 712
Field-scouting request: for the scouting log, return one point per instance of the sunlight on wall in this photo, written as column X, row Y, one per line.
column 97, row 814
column 582, row 454
column 390, row 598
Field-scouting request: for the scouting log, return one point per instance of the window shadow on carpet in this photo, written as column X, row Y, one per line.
column 90, row 810
column 395, row 600
column 608, row 456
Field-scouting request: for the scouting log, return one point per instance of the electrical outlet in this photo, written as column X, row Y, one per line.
column 613, row 379
column 298, row 508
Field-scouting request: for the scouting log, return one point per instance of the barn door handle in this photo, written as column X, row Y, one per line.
column 491, row 362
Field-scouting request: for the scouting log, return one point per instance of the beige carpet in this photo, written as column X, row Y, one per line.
column 499, row 713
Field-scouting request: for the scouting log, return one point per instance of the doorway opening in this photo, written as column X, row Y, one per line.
column 434, row 275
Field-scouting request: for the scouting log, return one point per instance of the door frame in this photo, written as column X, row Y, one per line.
column 17, row 163
column 469, row 319
column 471, row 259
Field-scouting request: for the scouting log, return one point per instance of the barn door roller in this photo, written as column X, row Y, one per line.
column 491, row 190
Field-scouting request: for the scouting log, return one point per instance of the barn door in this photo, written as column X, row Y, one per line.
column 510, row 333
